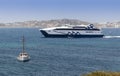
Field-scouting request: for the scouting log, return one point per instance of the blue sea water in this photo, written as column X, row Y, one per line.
column 57, row 56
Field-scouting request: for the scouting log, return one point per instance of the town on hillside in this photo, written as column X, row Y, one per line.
column 57, row 22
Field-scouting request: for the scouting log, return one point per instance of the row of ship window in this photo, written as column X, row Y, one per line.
column 77, row 33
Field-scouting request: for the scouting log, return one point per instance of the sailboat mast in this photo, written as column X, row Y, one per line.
column 23, row 44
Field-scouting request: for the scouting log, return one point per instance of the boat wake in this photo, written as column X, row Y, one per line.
column 111, row 37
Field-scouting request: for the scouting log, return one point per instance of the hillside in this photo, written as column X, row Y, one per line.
column 52, row 23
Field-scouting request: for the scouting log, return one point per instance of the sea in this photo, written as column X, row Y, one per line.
column 58, row 56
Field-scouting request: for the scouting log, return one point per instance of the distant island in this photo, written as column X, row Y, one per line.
column 57, row 22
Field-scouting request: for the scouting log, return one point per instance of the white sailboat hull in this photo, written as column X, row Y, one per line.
column 23, row 58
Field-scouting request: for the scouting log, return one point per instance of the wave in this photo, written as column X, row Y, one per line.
column 111, row 37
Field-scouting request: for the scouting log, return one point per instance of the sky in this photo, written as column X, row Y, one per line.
column 85, row 10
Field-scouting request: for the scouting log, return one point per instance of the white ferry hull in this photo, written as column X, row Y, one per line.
column 56, row 35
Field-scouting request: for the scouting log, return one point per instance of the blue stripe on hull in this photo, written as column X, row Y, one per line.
column 73, row 36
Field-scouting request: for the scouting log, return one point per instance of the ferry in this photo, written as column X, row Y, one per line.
column 74, row 31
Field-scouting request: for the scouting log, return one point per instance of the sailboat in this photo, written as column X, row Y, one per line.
column 23, row 56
